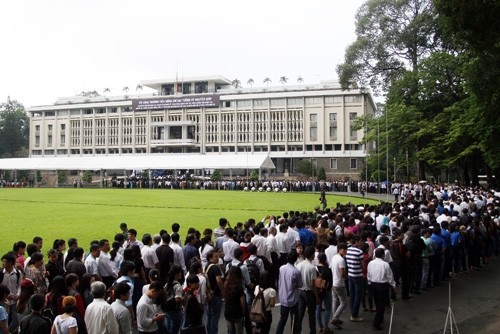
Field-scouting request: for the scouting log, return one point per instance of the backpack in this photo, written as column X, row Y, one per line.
column 320, row 283
column 258, row 308
column 209, row 292
column 253, row 271
column 109, row 295
column 18, row 274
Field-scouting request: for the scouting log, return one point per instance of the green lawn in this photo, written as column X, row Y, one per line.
column 89, row 214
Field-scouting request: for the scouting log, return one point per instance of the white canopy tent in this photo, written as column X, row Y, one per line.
column 144, row 162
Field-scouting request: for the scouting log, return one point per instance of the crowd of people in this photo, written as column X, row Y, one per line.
column 321, row 262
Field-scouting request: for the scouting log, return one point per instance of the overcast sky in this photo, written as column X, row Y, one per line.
column 59, row 48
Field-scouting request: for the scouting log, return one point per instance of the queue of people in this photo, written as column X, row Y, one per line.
column 354, row 258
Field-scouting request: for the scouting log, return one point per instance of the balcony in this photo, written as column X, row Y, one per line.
column 172, row 142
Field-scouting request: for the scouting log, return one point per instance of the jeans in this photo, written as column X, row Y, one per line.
column 355, row 287
column 235, row 326
column 307, row 299
column 214, row 309
column 326, row 300
column 284, row 312
column 339, row 301
column 173, row 321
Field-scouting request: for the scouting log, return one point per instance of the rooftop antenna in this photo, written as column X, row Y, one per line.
column 450, row 318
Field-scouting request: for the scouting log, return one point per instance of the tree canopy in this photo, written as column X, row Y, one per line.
column 14, row 129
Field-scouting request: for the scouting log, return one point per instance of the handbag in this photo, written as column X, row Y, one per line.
column 199, row 329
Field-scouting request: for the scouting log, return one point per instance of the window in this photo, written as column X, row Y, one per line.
column 333, row 163
column 50, row 113
column 63, row 140
column 333, row 126
column 260, row 103
column 63, row 127
column 354, row 164
column 313, row 100
column 37, row 140
column 175, row 132
column 49, row 127
column 75, row 112
column 186, row 88
column 244, row 103
column 333, row 99
column 294, row 101
column 200, row 87
column 49, row 140
column 353, row 131
column 352, row 98
column 313, row 129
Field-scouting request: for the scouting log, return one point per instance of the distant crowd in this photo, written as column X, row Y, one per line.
column 323, row 262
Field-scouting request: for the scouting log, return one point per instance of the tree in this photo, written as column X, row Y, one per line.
column 321, row 174
column 300, row 79
column 62, row 177
column 304, row 167
column 267, row 81
column 87, row 176
column 125, row 89
column 254, row 175
column 250, row 82
column 14, row 128
column 106, row 90
column 283, row 80
column 138, row 88
column 392, row 37
column 236, row 83
column 216, row 175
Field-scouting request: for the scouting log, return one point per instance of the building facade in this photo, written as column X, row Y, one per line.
column 208, row 115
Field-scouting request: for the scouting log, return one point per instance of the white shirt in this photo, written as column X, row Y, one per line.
column 149, row 257
column 268, row 294
column 228, row 248
column 307, row 273
column 271, row 243
column 379, row 271
column 387, row 254
column 64, row 324
column 178, row 255
column 91, row 265
column 262, row 248
column 105, row 267
column 99, row 318
column 293, row 237
column 203, row 254
column 336, row 265
column 146, row 311
column 330, row 252
column 283, row 243
column 122, row 315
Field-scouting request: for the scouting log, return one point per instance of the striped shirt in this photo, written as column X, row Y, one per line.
column 353, row 257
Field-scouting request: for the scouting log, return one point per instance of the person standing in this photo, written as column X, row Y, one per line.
column 289, row 282
column 339, row 276
column 380, row 280
column 66, row 323
column 121, row 312
column 234, row 296
column 105, row 267
column 354, row 256
column 11, row 278
column 308, row 293
column 99, row 316
column 148, row 313
column 214, row 278
column 35, row 323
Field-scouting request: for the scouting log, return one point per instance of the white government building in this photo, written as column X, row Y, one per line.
column 209, row 116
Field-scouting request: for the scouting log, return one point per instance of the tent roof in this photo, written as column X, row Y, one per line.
column 143, row 161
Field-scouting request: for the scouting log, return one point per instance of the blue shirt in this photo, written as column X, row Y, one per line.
column 307, row 238
column 290, row 281
column 456, row 238
column 440, row 244
column 446, row 236
column 3, row 315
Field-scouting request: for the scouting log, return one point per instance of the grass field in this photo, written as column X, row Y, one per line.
column 89, row 214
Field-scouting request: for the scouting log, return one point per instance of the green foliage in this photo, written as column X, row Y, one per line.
column 321, row 174
column 87, row 176
column 216, row 175
column 62, row 177
column 304, row 167
column 254, row 175
column 6, row 175
column 14, row 128
column 38, row 176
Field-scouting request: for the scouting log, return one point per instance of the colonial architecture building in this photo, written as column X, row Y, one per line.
column 209, row 115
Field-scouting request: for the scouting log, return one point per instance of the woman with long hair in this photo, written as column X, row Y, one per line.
column 115, row 256
column 84, row 288
column 66, row 323
column 53, row 300
column 72, row 282
column 194, row 310
column 174, row 300
column 325, row 295
column 27, row 290
column 37, row 272
column 234, row 295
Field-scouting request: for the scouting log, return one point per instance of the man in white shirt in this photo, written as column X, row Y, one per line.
column 339, row 274
column 293, row 235
column 99, row 316
column 308, row 296
column 148, row 255
column 122, row 314
column 331, row 250
column 283, row 244
column 380, row 279
column 229, row 246
column 105, row 267
column 91, row 260
column 148, row 313
column 178, row 253
column 260, row 241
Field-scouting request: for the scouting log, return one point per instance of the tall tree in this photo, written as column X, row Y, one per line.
column 283, row 80
column 14, row 128
column 267, row 80
column 138, row 88
column 236, row 83
column 300, row 79
column 250, row 82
